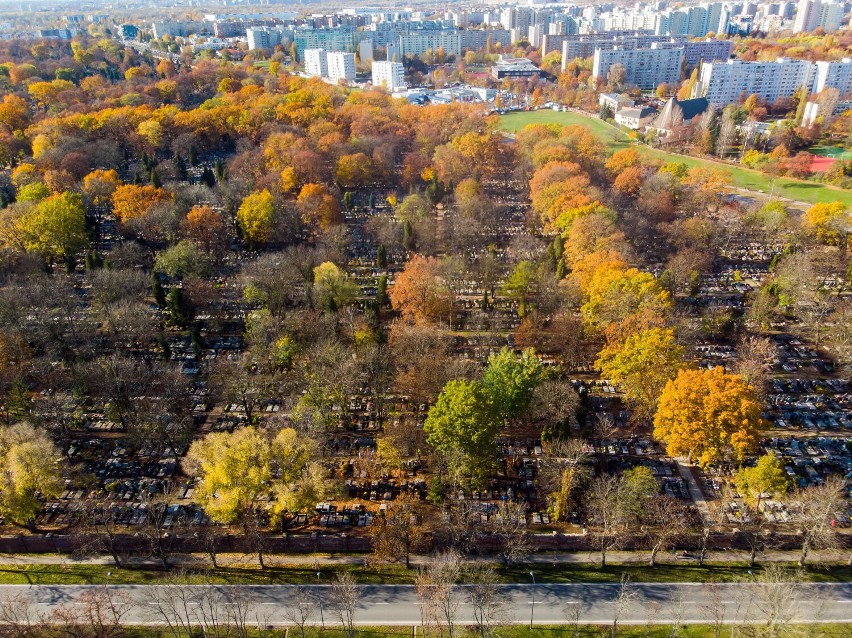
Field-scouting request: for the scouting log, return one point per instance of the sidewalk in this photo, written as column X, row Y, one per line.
column 613, row 558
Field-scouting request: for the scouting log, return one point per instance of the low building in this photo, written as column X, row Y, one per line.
column 677, row 113
column 635, row 117
column 515, row 68
column 615, row 101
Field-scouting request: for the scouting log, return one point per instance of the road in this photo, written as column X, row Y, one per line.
column 399, row 604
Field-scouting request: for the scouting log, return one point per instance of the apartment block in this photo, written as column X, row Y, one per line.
column 316, row 64
column 389, row 75
column 341, row 66
column 726, row 82
column 645, row 68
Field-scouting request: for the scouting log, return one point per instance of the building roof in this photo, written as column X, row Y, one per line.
column 676, row 112
column 637, row 112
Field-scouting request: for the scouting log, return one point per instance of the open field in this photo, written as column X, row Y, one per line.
column 744, row 178
column 87, row 574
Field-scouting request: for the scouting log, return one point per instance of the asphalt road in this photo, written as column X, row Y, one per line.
column 399, row 604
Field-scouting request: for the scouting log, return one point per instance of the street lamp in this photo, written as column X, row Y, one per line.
column 319, row 595
column 532, row 602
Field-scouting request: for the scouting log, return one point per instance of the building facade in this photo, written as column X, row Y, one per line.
column 728, row 82
column 645, row 68
column 341, row 66
column 389, row 75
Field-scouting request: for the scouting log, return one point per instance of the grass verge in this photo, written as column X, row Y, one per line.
column 741, row 177
column 57, row 574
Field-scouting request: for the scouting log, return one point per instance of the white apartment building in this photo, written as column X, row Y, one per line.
column 807, row 15
column 725, row 83
column 263, row 38
column 389, row 75
column 831, row 16
column 833, row 75
column 341, row 66
column 316, row 64
column 645, row 68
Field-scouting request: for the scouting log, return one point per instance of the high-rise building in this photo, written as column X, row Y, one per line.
column 727, row 82
column 831, row 16
column 316, row 64
column 807, row 15
column 833, row 75
column 645, row 68
column 389, row 75
column 341, row 66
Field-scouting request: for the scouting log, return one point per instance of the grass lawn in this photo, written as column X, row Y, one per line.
column 57, row 574
column 741, row 177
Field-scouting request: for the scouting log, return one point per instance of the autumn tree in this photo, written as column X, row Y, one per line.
column 399, row 531
column 332, row 288
column 641, row 366
column 318, row 207
column 828, row 222
column 235, row 468
column 207, row 227
column 131, row 201
column 30, row 472
column 55, row 227
column 256, row 217
column 708, row 415
column 419, row 293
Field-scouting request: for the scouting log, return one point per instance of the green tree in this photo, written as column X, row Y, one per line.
column 510, row 381
column 332, row 288
column 766, row 478
column 520, row 285
column 463, row 426
column 30, row 472
column 184, row 259
column 56, row 227
column 256, row 217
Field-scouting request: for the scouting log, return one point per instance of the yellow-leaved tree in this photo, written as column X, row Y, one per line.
column 829, row 222
column 30, row 471
column 55, row 227
column 708, row 415
column 235, row 469
column 256, row 217
column 641, row 366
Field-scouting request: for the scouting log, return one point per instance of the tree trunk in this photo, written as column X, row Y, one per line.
column 654, row 550
column 805, row 549
column 752, row 559
column 260, row 558
column 603, row 557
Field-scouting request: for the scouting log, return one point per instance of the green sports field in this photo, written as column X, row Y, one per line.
column 744, row 178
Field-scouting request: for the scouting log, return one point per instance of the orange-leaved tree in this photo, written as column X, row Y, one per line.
column 419, row 293
column 708, row 415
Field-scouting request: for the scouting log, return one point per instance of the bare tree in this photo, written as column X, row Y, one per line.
column 624, row 597
column 573, row 613
column 605, row 516
column 777, row 597
column 20, row 618
column 714, row 609
column 815, row 509
column 344, row 600
column 299, row 609
column 510, row 526
column 399, row 531
column 755, row 358
column 489, row 608
column 96, row 530
column 667, row 520
column 438, row 593
column 98, row 613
